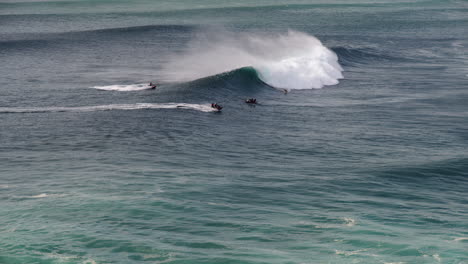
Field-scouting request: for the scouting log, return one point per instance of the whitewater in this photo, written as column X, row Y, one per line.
column 293, row 60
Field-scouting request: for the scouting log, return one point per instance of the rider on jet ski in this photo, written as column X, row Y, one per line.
column 216, row 106
column 152, row 86
column 251, row 101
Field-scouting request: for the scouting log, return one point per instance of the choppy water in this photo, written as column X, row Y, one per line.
column 364, row 160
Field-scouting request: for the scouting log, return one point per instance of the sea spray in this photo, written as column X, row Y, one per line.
column 292, row 60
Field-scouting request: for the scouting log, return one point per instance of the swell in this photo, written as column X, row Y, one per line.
column 235, row 82
column 140, row 29
column 358, row 56
column 218, row 8
column 452, row 172
column 12, row 42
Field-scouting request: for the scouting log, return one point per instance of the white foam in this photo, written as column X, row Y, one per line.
column 360, row 252
column 457, row 44
column 42, row 195
column 197, row 107
column 60, row 257
column 64, row 258
column 349, row 221
column 349, row 253
column 460, row 239
column 123, row 88
column 293, row 60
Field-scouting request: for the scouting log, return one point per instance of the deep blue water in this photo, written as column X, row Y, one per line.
column 364, row 160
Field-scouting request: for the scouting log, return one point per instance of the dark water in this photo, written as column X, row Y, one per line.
column 95, row 168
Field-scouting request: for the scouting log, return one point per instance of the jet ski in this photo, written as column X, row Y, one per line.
column 251, row 101
column 216, row 106
column 151, row 86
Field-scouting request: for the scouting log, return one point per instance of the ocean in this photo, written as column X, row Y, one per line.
column 356, row 151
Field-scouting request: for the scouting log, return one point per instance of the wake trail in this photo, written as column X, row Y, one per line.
column 123, row 88
column 137, row 106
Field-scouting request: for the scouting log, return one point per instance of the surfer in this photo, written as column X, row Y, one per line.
column 251, row 101
column 285, row 91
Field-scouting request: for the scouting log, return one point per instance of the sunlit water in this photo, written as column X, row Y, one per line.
column 363, row 160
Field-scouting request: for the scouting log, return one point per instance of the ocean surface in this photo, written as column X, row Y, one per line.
column 357, row 151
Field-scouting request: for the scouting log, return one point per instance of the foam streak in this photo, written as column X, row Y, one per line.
column 197, row 107
column 123, row 88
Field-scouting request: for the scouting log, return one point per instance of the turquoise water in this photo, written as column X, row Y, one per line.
column 363, row 161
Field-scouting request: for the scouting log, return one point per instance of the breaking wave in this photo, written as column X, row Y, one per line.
column 293, row 60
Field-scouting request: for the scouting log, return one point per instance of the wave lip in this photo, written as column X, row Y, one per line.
column 293, row 60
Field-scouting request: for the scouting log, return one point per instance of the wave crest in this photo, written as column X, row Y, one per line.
column 293, row 60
